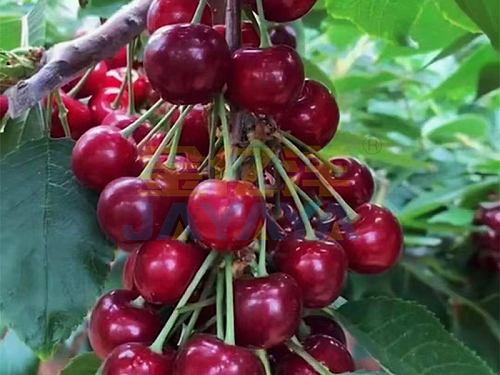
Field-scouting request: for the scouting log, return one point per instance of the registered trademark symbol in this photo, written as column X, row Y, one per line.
column 372, row 144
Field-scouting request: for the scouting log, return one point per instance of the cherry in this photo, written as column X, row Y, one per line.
column 489, row 215
column 140, row 84
column 78, row 116
column 326, row 350
column 101, row 155
column 314, row 117
column 225, row 215
column 487, row 259
column 164, row 269
column 119, row 60
column 489, row 240
column 138, row 359
column 195, row 134
column 318, row 266
column 249, row 36
column 94, row 83
column 101, row 103
column 288, row 218
column 375, row 242
column 284, row 34
column 170, row 12
column 207, row 355
column 115, row 321
column 321, row 325
column 122, row 119
column 194, row 57
column 355, row 184
column 284, row 10
column 265, row 80
column 300, row 174
column 328, row 228
column 128, row 272
column 153, row 144
column 267, row 310
column 4, row 106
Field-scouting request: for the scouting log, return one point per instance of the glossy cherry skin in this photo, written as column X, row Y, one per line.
column 249, row 36
column 355, row 184
column 326, row 350
column 79, row 118
column 207, row 355
column 101, row 103
column 376, row 241
column 121, row 119
column 319, row 267
column 128, row 272
column 266, row 80
column 171, row 12
column 119, row 60
column 138, row 359
column 288, row 218
column 4, row 106
column 314, row 117
column 284, row 34
column 164, row 269
column 140, row 84
column 94, row 83
column 284, row 10
column 267, row 310
column 101, row 155
column 195, row 135
column 489, row 215
column 225, row 215
column 195, row 58
column 321, row 325
column 115, row 321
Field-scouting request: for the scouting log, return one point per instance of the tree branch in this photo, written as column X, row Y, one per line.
column 65, row 60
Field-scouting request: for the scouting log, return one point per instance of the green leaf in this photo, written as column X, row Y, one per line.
column 10, row 32
column 486, row 14
column 55, row 259
column 456, row 16
column 16, row 358
column 454, row 47
column 102, row 8
column 364, row 82
column 454, row 216
column 407, row 339
column 37, row 24
column 489, row 79
column 84, row 364
column 315, row 72
column 472, row 126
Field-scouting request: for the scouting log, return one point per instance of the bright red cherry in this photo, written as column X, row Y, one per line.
column 171, row 12
column 194, row 57
column 119, row 60
column 101, row 155
column 326, row 350
column 79, row 118
column 153, row 144
column 138, row 359
column 225, row 215
column 140, row 84
column 284, row 10
column 115, row 321
column 101, row 103
column 355, row 184
column 207, row 355
column 284, row 34
column 321, row 325
column 128, row 272
column 489, row 215
column 122, row 119
column 265, row 80
column 267, row 310
column 4, row 106
column 94, row 83
column 164, row 269
column 249, row 36
column 195, row 134
column 314, row 117
column 318, row 266
column 376, row 240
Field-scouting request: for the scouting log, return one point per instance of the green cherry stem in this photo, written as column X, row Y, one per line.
column 48, row 111
column 63, row 113
column 207, row 161
column 183, row 237
column 123, row 88
column 157, row 128
column 219, row 304
column 204, row 302
column 173, row 147
column 265, row 41
column 262, row 187
column 213, row 148
column 157, row 345
column 261, row 353
column 228, row 272
column 129, row 130
column 130, row 83
column 230, row 172
column 199, row 11
column 75, row 90
column 310, row 202
column 295, row 346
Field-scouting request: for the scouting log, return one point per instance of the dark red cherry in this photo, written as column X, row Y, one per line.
column 314, row 117
column 489, row 240
column 321, row 325
column 140, row 84
column 318, row 266
column 489, row 215
column 249, row 36
column 164, row 269
column 329, row 227
column 265, row 80
column 170, row 12
column 207, row 355
column 284, row 34
column 119, row 60
column 122, row 119
column 101, row 155
column 4, row 106
column 128, row 272
column 101, row 103
column 94, row 83
column 194, row 57
column 288, row 218
column 79, row 118
column 301, row 175
column 225, row 215
column 375, row 241
column 115, row 321
column 326, row 350
column 138, row 359
column 267, row 310
column 284, row 10
column 355, row 184
column 195, row 135
column 486, row 259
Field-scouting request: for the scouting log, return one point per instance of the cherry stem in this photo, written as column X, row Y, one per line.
column 118, row 99
column 157, row 345
column 228, row 271
column 156, row 128
column 295, row 346
column 75, row 90
column 261, row 353
column 207, row 161
column 63, row 114
column 351, row 214
column 262, row 187
column 215, row 144
column 129, row 130
column 219, row 304
column 265, row 41
column 204, row 302
column 230, row 174
column 148, row 170
column 242, row 158
column 172, row 153
column 48, row 111
column 292, row 188
column 130, row 84
column 310, row 202
column 199, row 11
column 183, row 237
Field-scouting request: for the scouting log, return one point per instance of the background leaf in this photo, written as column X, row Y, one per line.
column 486, row 14
column 84, row 364
column 16, row 358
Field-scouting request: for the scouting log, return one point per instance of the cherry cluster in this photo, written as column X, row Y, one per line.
column 487, row 242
